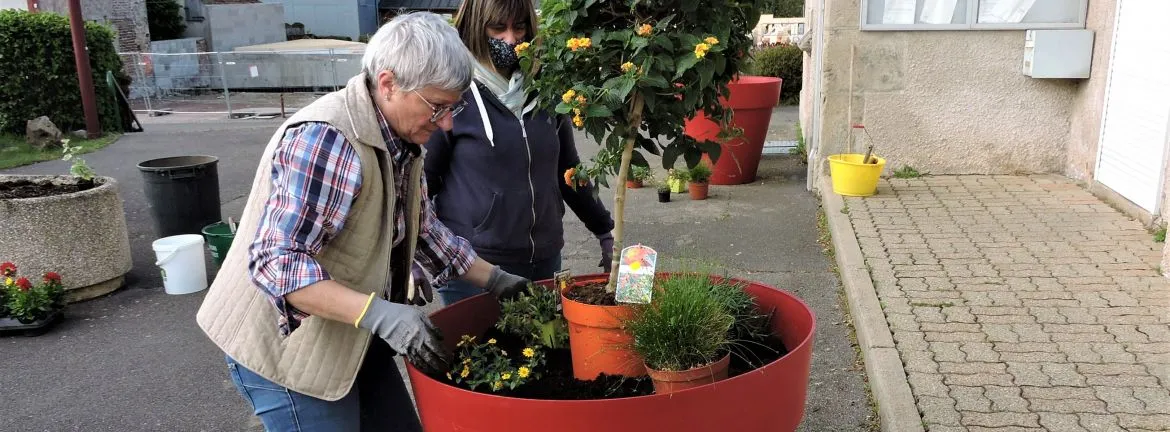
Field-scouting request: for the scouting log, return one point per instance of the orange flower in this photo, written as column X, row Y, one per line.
column 569, row 173
column 581, row 99
column 711, row 40
column 627, row 67
column 644, row 30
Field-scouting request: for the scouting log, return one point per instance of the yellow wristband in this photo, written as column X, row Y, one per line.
column 364, row 310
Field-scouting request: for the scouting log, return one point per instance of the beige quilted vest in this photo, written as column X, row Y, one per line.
column 321, row 358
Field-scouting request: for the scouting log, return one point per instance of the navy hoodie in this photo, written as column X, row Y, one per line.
column 508, row 198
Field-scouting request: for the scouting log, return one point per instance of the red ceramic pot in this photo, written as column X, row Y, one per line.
column 768, row 399
column 752, row 99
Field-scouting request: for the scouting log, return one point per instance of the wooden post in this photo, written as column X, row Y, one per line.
column 93, row 128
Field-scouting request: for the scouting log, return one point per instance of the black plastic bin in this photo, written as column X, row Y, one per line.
column 183, row 193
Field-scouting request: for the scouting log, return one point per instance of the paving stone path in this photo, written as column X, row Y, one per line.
column 1020, row 303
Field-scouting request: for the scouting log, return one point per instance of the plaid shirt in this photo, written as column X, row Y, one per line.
column 316, row 174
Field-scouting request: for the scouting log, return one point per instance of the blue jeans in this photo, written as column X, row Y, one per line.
column 457, row 290
column 378, row 401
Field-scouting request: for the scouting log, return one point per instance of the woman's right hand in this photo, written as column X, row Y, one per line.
column 409, row 332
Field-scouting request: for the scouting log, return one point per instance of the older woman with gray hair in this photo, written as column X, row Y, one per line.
column 336, row 217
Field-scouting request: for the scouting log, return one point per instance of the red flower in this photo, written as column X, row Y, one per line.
column 52, row 277
column 23, row 284
column 7, row 269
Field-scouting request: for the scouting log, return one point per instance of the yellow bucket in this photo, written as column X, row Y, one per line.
column 853, row 178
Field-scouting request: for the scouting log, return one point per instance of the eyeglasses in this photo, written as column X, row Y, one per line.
column 438, row 112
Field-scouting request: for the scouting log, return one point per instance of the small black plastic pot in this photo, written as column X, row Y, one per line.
column 664, row 196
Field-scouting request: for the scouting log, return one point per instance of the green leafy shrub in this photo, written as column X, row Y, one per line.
column 40, row 76
column 165, row 19
column 685, row 326
column 785, row 62
column 701, row 173
column 534, row 317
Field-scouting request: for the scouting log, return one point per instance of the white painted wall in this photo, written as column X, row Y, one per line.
column 14, row 4
column 323, row 17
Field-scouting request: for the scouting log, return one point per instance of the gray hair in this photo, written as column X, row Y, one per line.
column 422, row 50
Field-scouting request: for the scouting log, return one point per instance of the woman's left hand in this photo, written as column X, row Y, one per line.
column 606, row 241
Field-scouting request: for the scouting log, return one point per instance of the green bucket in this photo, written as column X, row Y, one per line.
column 219, row 239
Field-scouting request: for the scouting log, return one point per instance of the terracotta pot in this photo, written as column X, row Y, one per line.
column 768, row 399
column 698, row 190
column 599, row 341
column 672, row 381
column 633, row 184
column 752, row 99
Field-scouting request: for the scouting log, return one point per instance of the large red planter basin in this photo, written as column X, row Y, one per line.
column 768, row 399
column 752, row 99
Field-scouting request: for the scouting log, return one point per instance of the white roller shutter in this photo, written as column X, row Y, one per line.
column 1134, row 130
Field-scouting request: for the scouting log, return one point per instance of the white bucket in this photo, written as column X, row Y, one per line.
column 180, row 259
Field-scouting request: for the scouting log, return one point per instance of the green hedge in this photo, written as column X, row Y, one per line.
column 785, row 62
column 40, row 75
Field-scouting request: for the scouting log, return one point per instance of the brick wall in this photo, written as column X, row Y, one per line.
column 128, row 17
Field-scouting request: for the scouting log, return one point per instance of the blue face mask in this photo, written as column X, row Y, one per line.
column 504, row 56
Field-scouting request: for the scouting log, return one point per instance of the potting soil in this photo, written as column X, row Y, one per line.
column 557, row 381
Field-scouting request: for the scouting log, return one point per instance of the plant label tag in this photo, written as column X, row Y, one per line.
column 635, row 281
column 561, row 282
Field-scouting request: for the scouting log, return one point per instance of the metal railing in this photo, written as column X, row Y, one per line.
column 235, row 83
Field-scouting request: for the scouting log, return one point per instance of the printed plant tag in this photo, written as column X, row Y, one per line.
column 635, row 282
column 561, row 282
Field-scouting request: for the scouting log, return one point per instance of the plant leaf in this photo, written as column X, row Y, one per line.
column 595, row 110
column 712, row 149
column 684, row 64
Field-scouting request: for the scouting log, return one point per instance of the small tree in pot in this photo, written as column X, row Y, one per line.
column 626, row 71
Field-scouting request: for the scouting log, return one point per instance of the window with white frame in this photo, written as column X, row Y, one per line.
column 972, row 14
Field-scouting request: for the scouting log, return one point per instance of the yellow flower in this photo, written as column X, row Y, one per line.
column 568, row 96
column 701, row 50
column 575, row 43
column 492, row 341
column 710, row 40
column 581, row 99
column 466, row 361
column 465, row 372
column 523, row 372
column 506, row 376
column 627, row 66
column 520, row 48
column 497, row 385
column 8, row 281
column 644, row 30
column 577, row 111
column 578, row 121
column 529, row 352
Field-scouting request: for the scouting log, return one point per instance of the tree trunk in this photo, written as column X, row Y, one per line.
column 619, row 200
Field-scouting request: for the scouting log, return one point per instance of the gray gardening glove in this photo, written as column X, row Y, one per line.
column 505, row 285
column 606, row 241
column 409, row 332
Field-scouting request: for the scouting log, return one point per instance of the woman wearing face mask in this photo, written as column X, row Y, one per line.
column 496, row 176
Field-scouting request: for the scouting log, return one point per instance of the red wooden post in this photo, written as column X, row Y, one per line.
column 33, row 6
column 93, row 127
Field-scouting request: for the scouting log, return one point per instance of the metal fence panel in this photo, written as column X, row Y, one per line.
column 235, row 83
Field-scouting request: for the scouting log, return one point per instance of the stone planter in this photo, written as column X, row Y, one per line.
column 81, row 235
